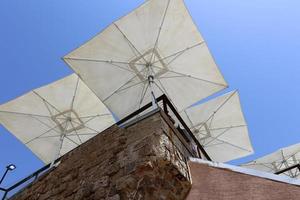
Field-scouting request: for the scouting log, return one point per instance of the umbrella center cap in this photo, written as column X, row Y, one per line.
column 148, row 61
column 64, row 118
column 148, row 64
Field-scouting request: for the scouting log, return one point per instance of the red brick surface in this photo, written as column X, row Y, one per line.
column 211, row 183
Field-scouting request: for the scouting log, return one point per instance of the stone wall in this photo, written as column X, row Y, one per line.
column 211, row 183
column 138, row 162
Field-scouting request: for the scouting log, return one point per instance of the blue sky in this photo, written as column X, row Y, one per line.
column 255, row 43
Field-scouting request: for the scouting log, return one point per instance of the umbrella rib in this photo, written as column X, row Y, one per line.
column 189, row 76
column 130, row 43
column 218, row 108
column 211, row 121
column 91, row 116
column 30, row 115
column 51, row 114
column 105, row 99
column 232, row 127
column 143, row 94
column 159, row 30
column 236, row 146
column 76, row 133
column 102, row 115
column 51, row 129
column 173, row 59
column 285, row 163
column 86, row 126
column 73, row 99
column 257, row 163
column 162, row 88
column 188, row 118
column 44, row 124
column 50, row 136
column 144, row 91
column 164, row 91
column 113, row 63
column 84, row 122
column 46, row 101
column 283, row 159
column 280, row 160
column 136, row 75
column 217, row 137
column 268, row 166
column 72, row 140
column 83, row 134
column 132, row 86
column 180, row 52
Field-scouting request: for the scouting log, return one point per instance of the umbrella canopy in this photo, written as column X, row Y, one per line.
column 157, row 40
column 56, row 118
column 220, row 127
column 279, row 160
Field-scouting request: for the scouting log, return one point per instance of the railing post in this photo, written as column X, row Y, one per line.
column 186, row 128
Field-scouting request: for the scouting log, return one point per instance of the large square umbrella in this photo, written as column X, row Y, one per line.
column 220, row 127
column 279, row 160
column 54, row 119
column 154, row 50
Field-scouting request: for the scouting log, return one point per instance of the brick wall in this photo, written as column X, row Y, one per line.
column 210, row 183
column 139, row 162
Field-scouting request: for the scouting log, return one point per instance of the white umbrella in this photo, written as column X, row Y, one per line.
column 279, row 160
column 220, row 127
column 156, row 48
column 54, row 119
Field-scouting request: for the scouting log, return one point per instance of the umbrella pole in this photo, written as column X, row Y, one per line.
column 154, row 102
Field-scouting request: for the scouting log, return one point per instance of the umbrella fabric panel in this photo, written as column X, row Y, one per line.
column 181, row 89
column 52, row 94
column 220, row 127
column 196, row 63
column 178, row 30
column 34, row 132
column 142, row 26
column 103, row 78
column 131, row 96
column 34, row 105
column 223, row 111
column 109, row 45
column 69, row 143
column 25, row 128
column 227, row 144
column 45, row 148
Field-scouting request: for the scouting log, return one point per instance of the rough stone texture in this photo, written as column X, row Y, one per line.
column 139, row 162
column 211, row 183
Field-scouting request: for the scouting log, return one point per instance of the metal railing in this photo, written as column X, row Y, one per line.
column 28, row 180
column 165, row 105
column 297, row 166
